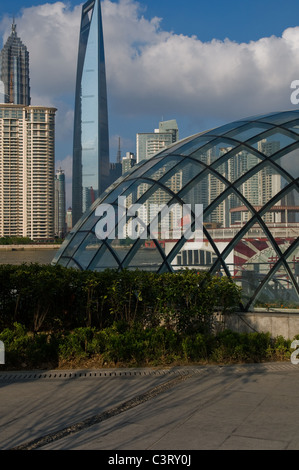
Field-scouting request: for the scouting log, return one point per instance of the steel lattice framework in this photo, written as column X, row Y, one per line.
column 246, row 176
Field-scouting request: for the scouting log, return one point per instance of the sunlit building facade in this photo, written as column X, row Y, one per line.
column 27, row 156
column 149, row 143
column 91, row 141
column 245, row 175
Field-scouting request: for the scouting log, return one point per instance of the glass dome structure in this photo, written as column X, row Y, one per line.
column 245, row 177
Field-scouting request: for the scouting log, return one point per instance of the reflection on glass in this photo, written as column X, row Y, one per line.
column 249, row 193
column 91, row 148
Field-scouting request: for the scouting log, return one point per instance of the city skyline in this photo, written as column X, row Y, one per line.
column 180, row 67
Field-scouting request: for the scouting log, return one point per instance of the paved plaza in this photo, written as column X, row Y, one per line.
column 239, row 407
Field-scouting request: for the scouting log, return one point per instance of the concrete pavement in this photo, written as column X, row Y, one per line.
column 239, row 407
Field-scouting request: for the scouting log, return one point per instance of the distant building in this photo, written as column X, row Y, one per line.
column 27, row 158
column 128, row 162
column 60, row 212
column 14, row 71
column 149, row 143
column 91, row 139
column 115, row 172
column 69, row 223
column 170, row 127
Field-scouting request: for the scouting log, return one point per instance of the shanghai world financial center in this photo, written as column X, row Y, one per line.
column 91, row 136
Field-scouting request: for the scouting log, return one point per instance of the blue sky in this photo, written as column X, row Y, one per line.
column 206, row 62
column 238, row 20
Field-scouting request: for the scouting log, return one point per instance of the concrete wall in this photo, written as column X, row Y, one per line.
column 284, row 324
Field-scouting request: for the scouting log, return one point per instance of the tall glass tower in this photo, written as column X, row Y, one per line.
column 14, row 71
column 91, row 138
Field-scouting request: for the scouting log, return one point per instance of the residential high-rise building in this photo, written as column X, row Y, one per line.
column 128, row 162
column 27, row 171
column 60, row 212
column 170, row 127
column 149, row 143
column 14, row 71
column 91, row 137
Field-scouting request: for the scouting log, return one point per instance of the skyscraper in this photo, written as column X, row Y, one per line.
column 60, row 212
column 91, row 137
column 27, row 171
column 14, row 71
column 149, row 143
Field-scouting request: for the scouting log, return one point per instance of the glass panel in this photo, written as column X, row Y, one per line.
column 90, row 222
column 147, row 257
column 104, row 260
column 293, row 126
column 286, row 211
column 279, row 118
column 135, row 192
column 222, row 130
column 121, row 247
column 282, row 219
column 293, row 262
column 236, row 163
column 74, row 244
column 194, row 145
column 251, row 260
column 203, row 190
column 261, row 186
column 248, row 131
column 162, row 167
column 87, row 250
column 64, row 261
column 293, row 259
column 211, row 152
column 289, row 163
column 143, row 167
column 113, row 196
column 133, row 219
column 278, row 293
column 181, row 175
column 227, row 218
column 175, row 148
column 271, row 142
column 72, row 264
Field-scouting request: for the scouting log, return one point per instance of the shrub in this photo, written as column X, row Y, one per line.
column 54, row 298
column 24, row 349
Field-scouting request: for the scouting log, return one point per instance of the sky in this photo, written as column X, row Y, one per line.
column 201, row 62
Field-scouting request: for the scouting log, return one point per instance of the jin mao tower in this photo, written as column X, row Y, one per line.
column 14, row 71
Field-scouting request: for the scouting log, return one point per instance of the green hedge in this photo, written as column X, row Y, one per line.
column 54, row 298
column 124, row 345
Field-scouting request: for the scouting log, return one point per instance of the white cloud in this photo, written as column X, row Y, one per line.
column 222, row 79
column 151, row 71
column 50, row 32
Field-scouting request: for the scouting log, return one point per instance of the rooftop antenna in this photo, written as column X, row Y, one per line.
column 14, row 27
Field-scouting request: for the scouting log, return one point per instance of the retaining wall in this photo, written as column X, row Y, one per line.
column 284, row 324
